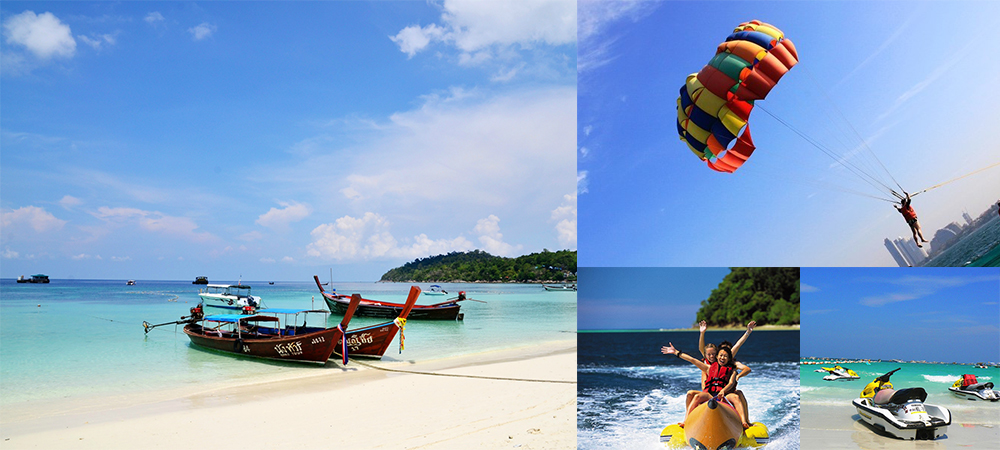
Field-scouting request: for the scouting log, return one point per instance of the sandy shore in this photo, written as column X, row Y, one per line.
column 839, row 427
column 523, row 398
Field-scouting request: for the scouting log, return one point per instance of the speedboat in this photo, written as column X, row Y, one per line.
column 435, row 290
column 903, row 413
column 230, row 297
column 714, row 425
column 838, row 373
column 969, row 388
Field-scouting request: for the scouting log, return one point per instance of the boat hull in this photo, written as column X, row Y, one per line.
column 880, row 417
column 975, row 395
column 313, row 347
column 713, row 425
column 392, row 310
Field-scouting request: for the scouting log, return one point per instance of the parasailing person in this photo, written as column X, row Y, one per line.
column 910, row 215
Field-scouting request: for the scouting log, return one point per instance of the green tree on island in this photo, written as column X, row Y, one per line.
column 478, row 265
column 768, row 295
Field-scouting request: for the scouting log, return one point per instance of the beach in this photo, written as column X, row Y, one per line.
column 523, row 398
column 838, row 427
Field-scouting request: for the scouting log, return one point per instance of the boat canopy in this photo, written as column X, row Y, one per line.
column 234, row 318
column 222, row 286
column 289, row 311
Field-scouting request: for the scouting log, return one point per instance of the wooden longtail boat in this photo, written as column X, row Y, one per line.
column 244, row 335
column 447, row 310
column 372, row 341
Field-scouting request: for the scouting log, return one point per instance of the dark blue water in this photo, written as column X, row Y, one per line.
column 628, row 391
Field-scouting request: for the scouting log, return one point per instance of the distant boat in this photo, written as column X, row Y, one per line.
column 37, row 278
column 270, row 282
column 435, row 290
column 560, row 287
column 200, row 280
column 130, row 283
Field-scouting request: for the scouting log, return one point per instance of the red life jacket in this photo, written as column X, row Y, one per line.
column 718, row 377
column 908, row 213
column 968, row 380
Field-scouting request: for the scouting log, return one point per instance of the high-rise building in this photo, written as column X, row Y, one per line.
column 896, row 254
column 967, row 217
column 915, row 255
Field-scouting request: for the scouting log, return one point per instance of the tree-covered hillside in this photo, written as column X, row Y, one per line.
column 769, row 295
column 480, row 266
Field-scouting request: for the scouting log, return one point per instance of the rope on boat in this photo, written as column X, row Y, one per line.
column 462, row 376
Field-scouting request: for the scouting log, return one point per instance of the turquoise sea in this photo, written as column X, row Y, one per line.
column 981, row 248
column 934, row 378
column 73, row 340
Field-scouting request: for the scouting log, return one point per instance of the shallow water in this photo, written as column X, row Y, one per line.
column 86, row 337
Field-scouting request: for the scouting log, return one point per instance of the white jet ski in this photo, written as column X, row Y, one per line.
column 903, row 413
column 974, row 390
column 837, row 373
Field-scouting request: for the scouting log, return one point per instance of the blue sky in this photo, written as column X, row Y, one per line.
column 624, row 298
column 909, row 79
column 277, row 140
column 933, row 314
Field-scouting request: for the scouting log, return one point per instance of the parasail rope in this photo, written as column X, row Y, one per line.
column 956, row 179
column 840, row 160
column 830, row 102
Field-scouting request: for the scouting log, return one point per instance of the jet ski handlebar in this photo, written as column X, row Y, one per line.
column 885, row 377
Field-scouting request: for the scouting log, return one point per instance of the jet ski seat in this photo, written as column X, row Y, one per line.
column 978, row 386
column 902, row 395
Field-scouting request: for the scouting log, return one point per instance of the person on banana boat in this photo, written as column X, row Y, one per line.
column 709, row 353
column 721, row 380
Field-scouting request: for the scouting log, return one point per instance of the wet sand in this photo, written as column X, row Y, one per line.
column 840, row 427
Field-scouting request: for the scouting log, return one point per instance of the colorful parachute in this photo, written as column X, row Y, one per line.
column 715, row 103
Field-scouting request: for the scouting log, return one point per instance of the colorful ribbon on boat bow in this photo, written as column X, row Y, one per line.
column 343, row 342
column 401, row 323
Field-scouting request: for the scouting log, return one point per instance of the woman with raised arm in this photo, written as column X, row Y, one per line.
column 720, row 381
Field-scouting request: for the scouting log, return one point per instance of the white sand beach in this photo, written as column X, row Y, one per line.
column 837, row 427
column 520, row 398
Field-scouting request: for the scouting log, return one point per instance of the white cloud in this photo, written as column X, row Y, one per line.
column 98, row 40
column 267, row 260
column 288, row 259
column 414, row 38
column 155, row 221
column 202, row 31
column 459, row 148
column 807, row 288
column 119, row 258
column 279, row 219
column 368, row 237
column 68, row 202
column 596, row 47
column 153, row 17
column 9, row 254
column 582, row 182
column 37, row 218
column 44, row 34
column 565, row 214
column 251, row 236
column 483, row 31
column 491, row 239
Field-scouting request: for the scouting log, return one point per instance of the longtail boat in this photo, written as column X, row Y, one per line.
column 447, row 310
column 372, row 341
column 245, row 335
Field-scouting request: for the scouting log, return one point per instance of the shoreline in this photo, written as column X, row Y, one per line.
column 525, row 396
column 696, row 329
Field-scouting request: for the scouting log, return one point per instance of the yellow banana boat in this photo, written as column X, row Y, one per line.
column 714, row 426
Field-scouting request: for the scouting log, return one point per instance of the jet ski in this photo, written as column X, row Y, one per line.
column 838, row 373
column 714, row 425
column 970, row 388
column 902, row 413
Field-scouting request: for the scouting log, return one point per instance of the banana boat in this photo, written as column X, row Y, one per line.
column 714, row 426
